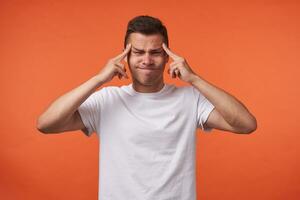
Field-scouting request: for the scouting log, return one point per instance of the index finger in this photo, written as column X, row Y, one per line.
column 169, row 52
column 124, row 53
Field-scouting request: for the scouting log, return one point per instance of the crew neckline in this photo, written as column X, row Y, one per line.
column 148, row 93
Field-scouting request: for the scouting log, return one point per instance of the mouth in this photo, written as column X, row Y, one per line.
column 147, row 68
column 147, row 71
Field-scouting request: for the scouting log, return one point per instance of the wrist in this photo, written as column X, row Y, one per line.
column 98, row 79
column 194, row 78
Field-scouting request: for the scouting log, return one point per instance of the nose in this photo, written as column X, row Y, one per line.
column 147, row 59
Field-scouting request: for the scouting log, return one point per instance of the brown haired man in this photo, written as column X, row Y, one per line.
column 147, row 128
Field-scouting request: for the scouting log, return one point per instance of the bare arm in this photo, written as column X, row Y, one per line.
column 62, row 115
column 229, row 114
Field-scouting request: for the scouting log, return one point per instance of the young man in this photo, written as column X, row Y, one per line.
column 147, row 128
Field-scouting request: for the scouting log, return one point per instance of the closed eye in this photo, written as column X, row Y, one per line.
column 157, row 53
column 152, row 53
column 137, row 52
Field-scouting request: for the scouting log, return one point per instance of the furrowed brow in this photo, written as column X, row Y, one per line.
column 150, row 50
column 159, row 49
column 137, row 49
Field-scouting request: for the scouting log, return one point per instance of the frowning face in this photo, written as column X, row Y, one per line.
column 147, row 59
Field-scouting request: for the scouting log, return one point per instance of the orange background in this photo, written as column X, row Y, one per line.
column 249, row 49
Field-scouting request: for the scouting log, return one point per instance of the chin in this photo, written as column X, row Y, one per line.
column 146, row 82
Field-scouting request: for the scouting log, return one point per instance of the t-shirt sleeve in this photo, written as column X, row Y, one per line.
column 89, row 112
column 204, row 108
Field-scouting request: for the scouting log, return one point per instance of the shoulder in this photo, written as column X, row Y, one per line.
column 188, row 90
column 107, row 90
column 112, row 91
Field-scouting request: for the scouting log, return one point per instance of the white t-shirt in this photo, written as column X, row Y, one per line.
column 147, row 140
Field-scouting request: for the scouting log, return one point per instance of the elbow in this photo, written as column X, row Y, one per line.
column 48, row 125
column 251, row 126
column 248, row 131
column 41, row 126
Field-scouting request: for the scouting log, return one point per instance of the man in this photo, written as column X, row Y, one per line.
column 147, row 128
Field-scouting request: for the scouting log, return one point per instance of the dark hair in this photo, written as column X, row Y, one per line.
column 146, row 25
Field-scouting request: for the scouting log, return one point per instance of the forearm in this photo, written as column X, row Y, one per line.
column 64, row 107
column 232, row 110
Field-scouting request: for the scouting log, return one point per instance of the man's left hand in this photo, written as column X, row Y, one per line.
column 179, row 67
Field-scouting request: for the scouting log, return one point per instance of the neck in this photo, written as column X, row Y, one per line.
column 147, row 88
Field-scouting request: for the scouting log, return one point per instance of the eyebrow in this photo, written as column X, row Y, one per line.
column 150, row 50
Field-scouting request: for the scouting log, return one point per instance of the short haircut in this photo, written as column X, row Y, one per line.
column 146, row 25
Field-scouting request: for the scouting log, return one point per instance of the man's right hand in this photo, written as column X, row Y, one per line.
column 62, row 115
column 115, row 67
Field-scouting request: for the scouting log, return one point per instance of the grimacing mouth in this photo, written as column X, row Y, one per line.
column 148, row 68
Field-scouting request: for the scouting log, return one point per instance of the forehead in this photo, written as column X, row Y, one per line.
column 146, row 42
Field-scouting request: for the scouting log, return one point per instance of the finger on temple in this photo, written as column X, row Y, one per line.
column 169, row 52
column 124, row 53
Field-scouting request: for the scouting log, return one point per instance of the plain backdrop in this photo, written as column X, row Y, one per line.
column 248, row 48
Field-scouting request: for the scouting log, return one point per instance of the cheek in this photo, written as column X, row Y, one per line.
column 161, row 61
column 132, row 64
column 133, row 59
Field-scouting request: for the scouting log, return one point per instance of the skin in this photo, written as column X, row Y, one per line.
column 146, row 62
column 229, row 113
column 147, row 51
